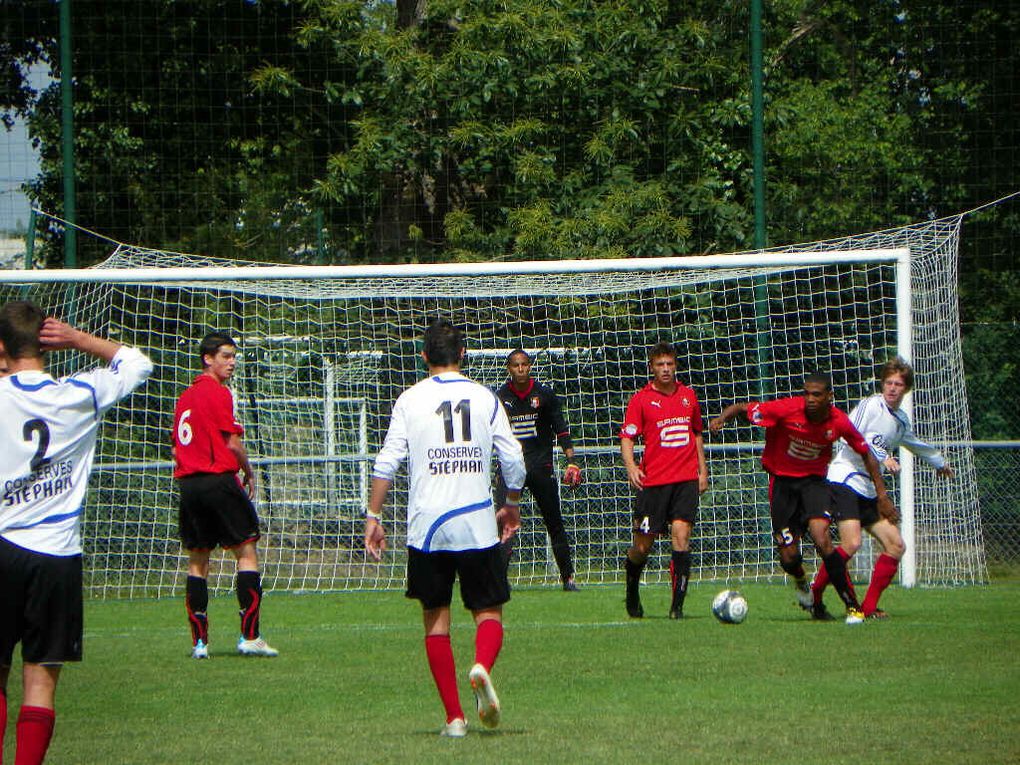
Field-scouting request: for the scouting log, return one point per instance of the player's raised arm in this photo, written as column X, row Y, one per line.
column 718, row 423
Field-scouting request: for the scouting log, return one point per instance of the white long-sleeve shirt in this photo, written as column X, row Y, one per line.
column 48, row 431
column 447, row 428
column 884, row 430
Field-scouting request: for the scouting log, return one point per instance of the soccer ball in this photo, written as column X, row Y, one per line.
column 730, row 607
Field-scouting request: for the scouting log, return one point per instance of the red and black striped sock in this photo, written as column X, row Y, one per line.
column 196, row 601
column 249, row 597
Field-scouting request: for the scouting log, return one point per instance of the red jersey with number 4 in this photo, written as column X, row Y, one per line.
column 203, row 418
column 796, row 447
column 667, row 423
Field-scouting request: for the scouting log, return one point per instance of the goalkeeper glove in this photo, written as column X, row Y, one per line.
column 572, row 475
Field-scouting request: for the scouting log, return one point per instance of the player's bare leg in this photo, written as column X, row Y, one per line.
column 886, row 565
column 439, row 653
column 679, row 566
column 634, row 564
column 36, row 717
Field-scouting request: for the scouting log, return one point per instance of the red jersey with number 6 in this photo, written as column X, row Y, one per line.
column 203, row 418
column 796, row 447
column 667, row 423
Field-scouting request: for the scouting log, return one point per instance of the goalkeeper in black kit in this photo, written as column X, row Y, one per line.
column 536, row 418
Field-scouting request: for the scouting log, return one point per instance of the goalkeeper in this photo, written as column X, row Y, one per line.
column 536, row 417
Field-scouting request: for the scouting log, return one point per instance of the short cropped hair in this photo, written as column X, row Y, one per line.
column 20, row 322
column 211, row 344
column 897, row 365
column 518, row 352
column 661, row 349
column 443, row 344
column 819, row 377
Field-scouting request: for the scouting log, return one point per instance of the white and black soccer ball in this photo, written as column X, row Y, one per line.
column 730, row 607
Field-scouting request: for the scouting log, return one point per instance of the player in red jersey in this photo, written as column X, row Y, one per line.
column 671, row 477
column 799, row 433
column 215, row 508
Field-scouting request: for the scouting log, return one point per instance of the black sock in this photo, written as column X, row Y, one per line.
column 795, row 568
column 249, row 596
column 680, row 574
column 633, row 570
column 196, row 601
column 836, row 567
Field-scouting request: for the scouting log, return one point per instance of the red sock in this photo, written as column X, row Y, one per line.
column 440, row 655
column 35, row 728
column 488, row 642
column 3, row 723
column 821, row 580
column 885, row 569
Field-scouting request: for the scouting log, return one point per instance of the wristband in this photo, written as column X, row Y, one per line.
column 374, row 516
column 508, row 503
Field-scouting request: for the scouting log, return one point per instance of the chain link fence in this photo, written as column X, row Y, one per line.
column 998, row 473
column 991, row 352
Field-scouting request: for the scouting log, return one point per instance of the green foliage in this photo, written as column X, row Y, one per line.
column 469, row 129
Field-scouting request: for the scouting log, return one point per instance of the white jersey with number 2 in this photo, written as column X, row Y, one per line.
column 447, row 428
column 48, row 431
column 884, row 430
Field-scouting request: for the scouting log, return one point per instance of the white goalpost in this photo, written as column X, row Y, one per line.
column 326, row 350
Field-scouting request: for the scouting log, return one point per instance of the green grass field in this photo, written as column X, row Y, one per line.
column 579, row 682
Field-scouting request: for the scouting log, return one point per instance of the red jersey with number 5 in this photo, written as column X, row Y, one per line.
column 796, row 447
column 203, row 418
column 667, row 423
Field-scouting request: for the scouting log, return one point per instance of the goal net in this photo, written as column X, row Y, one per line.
column 326, row 351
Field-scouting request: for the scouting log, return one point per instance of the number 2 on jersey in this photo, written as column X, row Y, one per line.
column 446, row 411
column 39, row 459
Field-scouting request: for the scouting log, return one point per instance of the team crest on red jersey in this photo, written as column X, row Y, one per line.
column 829, row 435
column 686, row 401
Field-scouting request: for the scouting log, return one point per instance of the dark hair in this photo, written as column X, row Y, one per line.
column 897, row 365
column 515, row 352
column 212, row 343
column 20, row 322
column 443, row 344
column 661, row 349
column 819, row 377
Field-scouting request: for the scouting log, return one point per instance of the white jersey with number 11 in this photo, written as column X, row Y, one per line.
column 447, row 428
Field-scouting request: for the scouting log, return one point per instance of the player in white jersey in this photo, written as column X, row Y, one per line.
column 885, row 427
column 49, row 433
column 447, row 427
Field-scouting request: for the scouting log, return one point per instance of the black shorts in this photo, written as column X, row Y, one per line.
column 793, row 502
column 215, row 510
column 40, row 606
column 848, row 505
column 482, row 574
column 656, row 507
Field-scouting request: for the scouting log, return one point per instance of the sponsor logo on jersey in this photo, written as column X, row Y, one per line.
column 803, row 450
column 655, row 402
